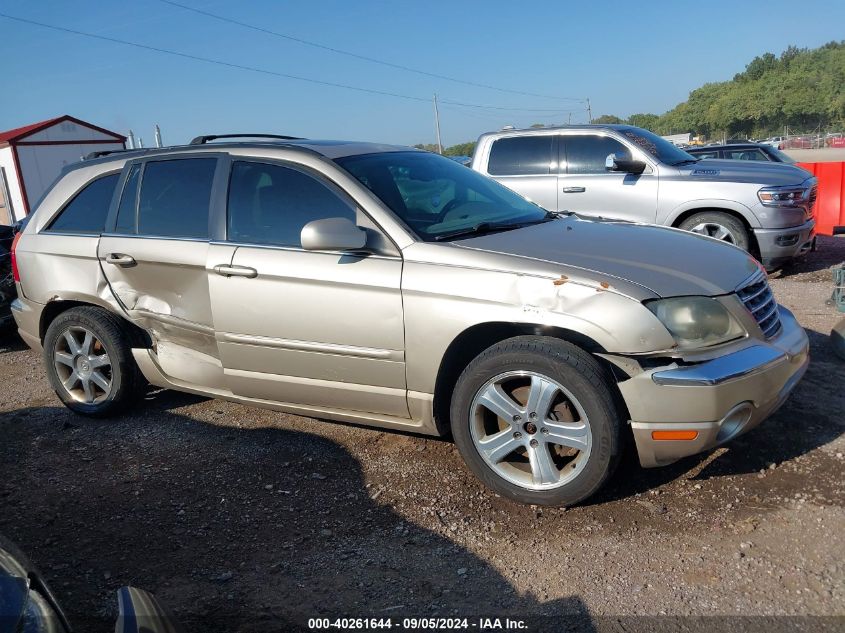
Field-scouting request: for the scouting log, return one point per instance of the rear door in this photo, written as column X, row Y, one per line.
column 155, row 259
column 528, row 165
column 588, row 188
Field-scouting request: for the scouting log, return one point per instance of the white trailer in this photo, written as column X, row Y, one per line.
column 678, row 139
column 31, row 157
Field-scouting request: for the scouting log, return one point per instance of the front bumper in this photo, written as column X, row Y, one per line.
column 780, row 246
column 715, row 400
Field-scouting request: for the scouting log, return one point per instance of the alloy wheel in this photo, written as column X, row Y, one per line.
column 83, row 365
column 530, row 430
column 717, row 231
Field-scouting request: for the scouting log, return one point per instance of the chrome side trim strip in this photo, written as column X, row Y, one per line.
column 312, row 346
column 750, row 360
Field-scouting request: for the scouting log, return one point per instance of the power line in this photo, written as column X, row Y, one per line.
column 362, row 57
column 263, row 71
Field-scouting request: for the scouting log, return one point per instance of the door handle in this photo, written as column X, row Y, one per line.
column 574, row 189
column 120, row 259
column 235, row 271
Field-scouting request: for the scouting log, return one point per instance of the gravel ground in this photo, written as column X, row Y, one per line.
column 257, row 519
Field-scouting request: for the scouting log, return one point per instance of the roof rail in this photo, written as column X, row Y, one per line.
column 102, row 153
column 202, row 140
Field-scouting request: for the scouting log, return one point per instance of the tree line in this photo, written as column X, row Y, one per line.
column 802, row 88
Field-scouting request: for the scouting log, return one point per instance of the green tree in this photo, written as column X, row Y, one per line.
column 608, row 118
column 646, row 121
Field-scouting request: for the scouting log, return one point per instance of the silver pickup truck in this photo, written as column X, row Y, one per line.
column 627, row 173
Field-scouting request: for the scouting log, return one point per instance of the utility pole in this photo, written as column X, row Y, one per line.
column 570, row 118
column 437, row 125
column 589, row 111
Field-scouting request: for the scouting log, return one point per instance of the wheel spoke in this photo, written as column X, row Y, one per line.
column 64, row 358
column 540, row 396
column 72, row 344
column 499, row 445
column 543, row 469
column 88, row 388
column 573, row 435
column 86, row 344
column 71, row 381
column 98, row 379
column 99, row 361
column 496, row 400
column 721, row 233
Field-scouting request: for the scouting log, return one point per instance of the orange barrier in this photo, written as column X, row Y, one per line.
column 830, row 203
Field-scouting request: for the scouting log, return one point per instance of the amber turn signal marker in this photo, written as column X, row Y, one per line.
column 674, row 435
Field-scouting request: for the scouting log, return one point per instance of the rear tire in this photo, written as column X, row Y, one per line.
column 89, row 362
column 718, row 225
column 535, row 420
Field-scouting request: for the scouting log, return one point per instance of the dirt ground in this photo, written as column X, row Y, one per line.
column 244, row 519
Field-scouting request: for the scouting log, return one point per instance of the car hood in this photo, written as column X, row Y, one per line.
column 758, row 172
column 668, row 262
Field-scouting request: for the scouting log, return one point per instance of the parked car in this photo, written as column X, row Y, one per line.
column 27, row 605
column 395, row 288
column 627, row 173
column 775, row 141
column 742, row 151
column 7, row 283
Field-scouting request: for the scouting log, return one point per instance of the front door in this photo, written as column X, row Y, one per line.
column 320, row 329
column 156, row 258
column 588, row 188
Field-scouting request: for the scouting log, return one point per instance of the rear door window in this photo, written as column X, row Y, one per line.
column 175, row 196
column 587, row 153
column 746, row 154
column 269, row 204
column 87, row 211
column 522, row 156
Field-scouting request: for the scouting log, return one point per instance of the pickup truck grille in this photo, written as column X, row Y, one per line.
column 758, row 298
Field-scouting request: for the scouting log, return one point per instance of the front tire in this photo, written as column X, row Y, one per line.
column 535, row 420
column 718, row 225
column 89, row 362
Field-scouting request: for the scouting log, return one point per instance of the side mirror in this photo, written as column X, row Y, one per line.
column 611, row 163
column 332, row 234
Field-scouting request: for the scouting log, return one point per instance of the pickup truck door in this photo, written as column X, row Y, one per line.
column 528, row 165
column 588, row 188
column 313, row 328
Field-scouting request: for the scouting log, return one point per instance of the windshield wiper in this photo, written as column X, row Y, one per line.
column 483, row 228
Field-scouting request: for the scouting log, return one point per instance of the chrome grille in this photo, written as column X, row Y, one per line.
column 760, row 301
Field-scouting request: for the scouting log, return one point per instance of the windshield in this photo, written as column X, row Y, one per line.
column 438, row 198
column 781, row 156
column 657, row 146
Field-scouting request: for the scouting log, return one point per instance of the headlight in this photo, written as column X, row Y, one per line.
column 791, row 196
column 696, row 322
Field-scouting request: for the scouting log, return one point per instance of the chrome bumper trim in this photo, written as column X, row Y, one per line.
column 750, row 360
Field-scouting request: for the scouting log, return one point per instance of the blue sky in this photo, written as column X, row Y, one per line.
column 626, row 57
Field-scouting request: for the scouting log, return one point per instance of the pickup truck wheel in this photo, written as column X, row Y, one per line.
column 89, row 362
column 534, row 419
column 721, row 226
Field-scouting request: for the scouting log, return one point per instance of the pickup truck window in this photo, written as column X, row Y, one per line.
column 521, row 156
column 587, row 153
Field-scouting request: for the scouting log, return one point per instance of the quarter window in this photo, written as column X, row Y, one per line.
column 521, row 155
column 175, row 196
column 87, row 212
column 269, row 204
column 587, row 154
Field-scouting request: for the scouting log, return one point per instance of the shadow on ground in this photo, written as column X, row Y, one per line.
column 231, row 529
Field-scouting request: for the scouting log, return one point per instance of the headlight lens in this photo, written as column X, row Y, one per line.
column 783, row 196
column 696, row 322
